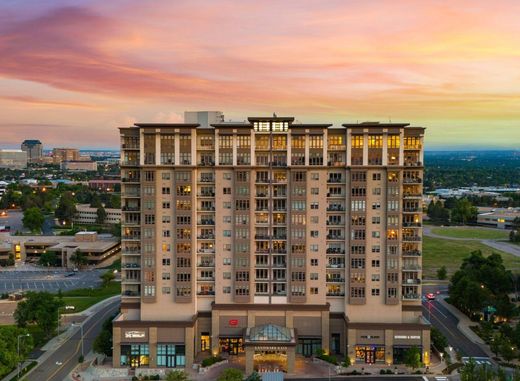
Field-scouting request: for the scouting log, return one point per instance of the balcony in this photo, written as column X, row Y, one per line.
column 206, row 222
column 335, row 237
column 206, row 194
column 411, row 296
column 409, row 163
column 206, row 279
column 412, row 238
column 333, row 180
column 412, row 180
column 205, row 293
column 132, row 265
column 411, row 224
column 335, row 294
column 335, row 223
column 129, row 293
column 412, row 253
column 411, row 267
column 206, row 180
column 335, row 208
column 130, row 180
column 335, row 265
column 206, row 163
column 261, row 194
column 335, row 280
column 335, row 250
column 335, row 195
column 205, row 251
column 411, row 281
column 206, row 236
column 206, row 264
column 206, row 209
column 131, row 237
column 412, row 195
column 128, row 194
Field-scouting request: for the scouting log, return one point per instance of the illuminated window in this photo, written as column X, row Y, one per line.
column 316, row 141
column 298, row 142
column 279, row 142
column 393, row 141
column 357, row 141
column 375, row 141
column 412, row 142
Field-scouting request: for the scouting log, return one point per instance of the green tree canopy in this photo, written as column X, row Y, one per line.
column 48, row 259
column 79, row 258
column 101, row 215
column 33, row 219
column 412, row 357
column 9, row 348
column 38, row 308
column 66, row 208
column 231, row 374
column 464, row 212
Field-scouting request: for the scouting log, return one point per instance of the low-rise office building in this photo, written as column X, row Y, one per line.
column 97, row 247
column 501, row 218
column 79, row 166
column 86, row 215
column 13, row 159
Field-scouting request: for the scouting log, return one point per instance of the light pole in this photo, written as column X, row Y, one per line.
column 81, row 331
column 19, row 336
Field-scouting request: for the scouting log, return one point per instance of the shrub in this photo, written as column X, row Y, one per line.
column 210, row 361
column 254, row 377
column 230, row 374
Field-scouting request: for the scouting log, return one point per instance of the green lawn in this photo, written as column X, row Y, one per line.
column 479, row 233
column 438, row 252
column 83, row 298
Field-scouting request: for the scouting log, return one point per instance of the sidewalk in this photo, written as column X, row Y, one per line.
column 53, row 344
column 464, row 326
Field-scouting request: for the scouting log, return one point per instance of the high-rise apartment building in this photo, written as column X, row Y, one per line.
column 34, row 150
column 60, row 155
column 270, row 239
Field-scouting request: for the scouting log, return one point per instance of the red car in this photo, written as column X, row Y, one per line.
column 430, row 296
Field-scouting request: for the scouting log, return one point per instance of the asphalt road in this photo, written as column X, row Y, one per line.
column 446, row 322
column 65, row 359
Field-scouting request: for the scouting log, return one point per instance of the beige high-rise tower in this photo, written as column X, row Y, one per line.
column 270, row 239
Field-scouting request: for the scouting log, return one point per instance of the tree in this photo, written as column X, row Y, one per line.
column 442, row 273
column 79, row 258
column 103, row 343
column 231, row 374
column 439, row 341
column 66, row 209
column 438, row 213
column 40, row 309
column 107, row 277
column 33, row 219
column 464, row 212
column 48, row 258
column 95, row 202
column 412, row 357
column 177, row 375
column 9, row 348
column 101, row 215
column 496, row 343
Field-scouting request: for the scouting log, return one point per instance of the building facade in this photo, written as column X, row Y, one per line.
column 13, row 159
column 86, row 215
column 34, row 149
column 59, row 155
column 79, row 166
column 270, row 238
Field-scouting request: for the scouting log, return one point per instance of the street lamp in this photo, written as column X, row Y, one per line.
column 59, row 308
column 19, row 336
column 81, row 330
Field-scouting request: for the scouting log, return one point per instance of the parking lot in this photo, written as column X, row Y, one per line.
column 26, row 277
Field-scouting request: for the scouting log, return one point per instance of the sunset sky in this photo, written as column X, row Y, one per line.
column 72, row 71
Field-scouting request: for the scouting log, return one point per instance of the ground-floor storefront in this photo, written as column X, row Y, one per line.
column 280, row 333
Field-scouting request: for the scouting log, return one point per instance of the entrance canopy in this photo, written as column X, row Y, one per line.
column 269, row 333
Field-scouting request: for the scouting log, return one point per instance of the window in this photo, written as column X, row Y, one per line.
column 357, row 141
column 314, row 262
column 315, row 191
column 314, row 233
column 376, row 220
column 357, row 292
column 315, row 205
column 298, row 141
column 376, row 205
column 166, row 261
column 149, row 290
column 227, row 261
column 314, row 290
column 165, row 175
column 225, row 141
column 313, row 247
column 376, row 234
column 375, row 263
column 243, row 141
column 166, row 205
column 315, row 141
column 166, row 290
column 376, row 278
column 376, row 176
column 315, row 176
column 375, row 292
column 376, row 249
column 393, row 141
column 171, row 356
column 165, row 276
column 314, row 276
column 375, row 141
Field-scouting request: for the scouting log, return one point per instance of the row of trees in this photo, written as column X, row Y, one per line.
column 514, row 236
column 9, row 358
column 452, row 210
column 481, row 282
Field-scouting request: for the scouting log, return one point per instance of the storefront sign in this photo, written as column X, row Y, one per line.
column 135, row 334
column 405, row 337
column 233, row 322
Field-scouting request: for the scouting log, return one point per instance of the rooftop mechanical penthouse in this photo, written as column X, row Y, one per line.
column 270, row 239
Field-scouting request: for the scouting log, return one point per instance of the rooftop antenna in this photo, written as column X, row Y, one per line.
column 274, row 115
column 389, row 119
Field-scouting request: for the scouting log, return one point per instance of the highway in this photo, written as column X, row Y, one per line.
column 65, row 358
column 444, row 321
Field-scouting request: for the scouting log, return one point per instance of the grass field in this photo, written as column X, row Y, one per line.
column 438, row 252
column 479, row 233
column 83, row 298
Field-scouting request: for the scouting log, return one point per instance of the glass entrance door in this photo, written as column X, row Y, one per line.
column 204, row 341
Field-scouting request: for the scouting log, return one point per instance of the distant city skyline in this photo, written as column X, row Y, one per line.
column 70, row 75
